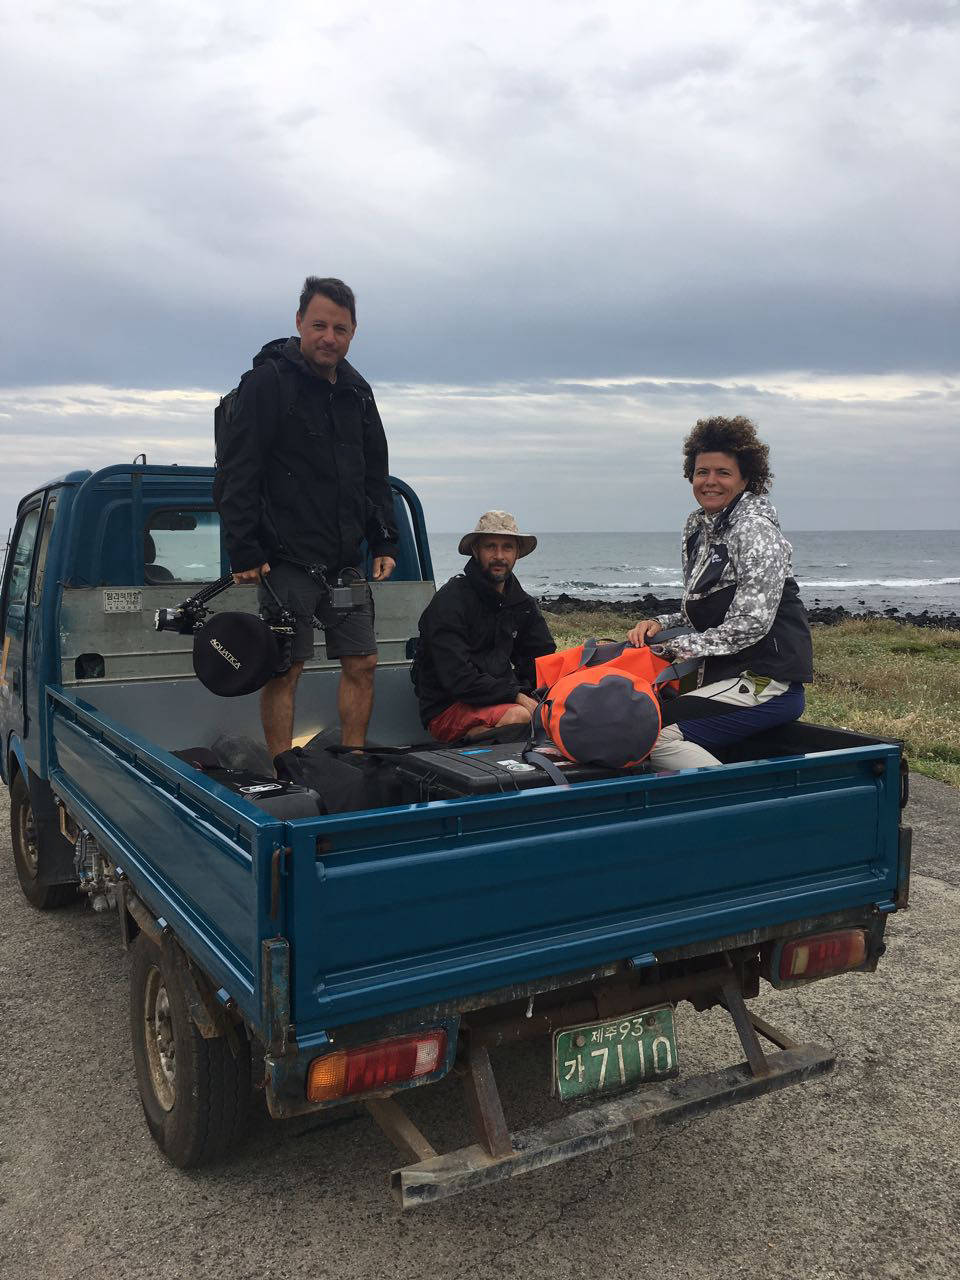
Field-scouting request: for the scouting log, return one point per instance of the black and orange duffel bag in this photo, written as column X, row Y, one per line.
column 600, row 703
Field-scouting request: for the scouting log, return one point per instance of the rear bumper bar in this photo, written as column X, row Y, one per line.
column 603, row 1125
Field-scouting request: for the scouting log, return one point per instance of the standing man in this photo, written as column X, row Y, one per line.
column 303, row 467
column 479, row 636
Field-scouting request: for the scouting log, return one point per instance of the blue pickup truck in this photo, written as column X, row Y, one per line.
column 345, row 958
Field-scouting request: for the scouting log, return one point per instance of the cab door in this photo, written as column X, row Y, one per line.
column 15, row 607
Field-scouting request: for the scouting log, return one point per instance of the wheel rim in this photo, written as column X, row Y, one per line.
column 160, row 1042
column 29, row 844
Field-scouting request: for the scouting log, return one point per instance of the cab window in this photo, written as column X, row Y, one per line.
column 22, row 557
column 48, row 518
column 181, row 546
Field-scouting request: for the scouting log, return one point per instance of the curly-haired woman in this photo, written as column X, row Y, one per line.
column 750, row 627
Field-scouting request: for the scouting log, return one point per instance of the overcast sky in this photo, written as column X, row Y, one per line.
column 573, row 229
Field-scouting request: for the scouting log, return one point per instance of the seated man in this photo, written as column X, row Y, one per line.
column 479, row 636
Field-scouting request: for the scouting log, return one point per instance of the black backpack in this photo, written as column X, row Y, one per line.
column 225, row 411
column 345, row 782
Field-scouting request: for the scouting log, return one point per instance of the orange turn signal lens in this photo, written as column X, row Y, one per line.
column 375, row 1066
column 326, row 1077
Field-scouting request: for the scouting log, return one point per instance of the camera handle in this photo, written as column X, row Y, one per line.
column 189, row 615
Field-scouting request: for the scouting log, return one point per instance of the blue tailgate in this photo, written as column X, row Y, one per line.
column 395, row 909
column 411, row 906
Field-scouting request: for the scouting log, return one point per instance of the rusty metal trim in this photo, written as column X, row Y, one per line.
column 604, row 1125
column 736, row 1007
column 275, row 995
column 621, row 994
column 144, row 919
column 204, row 1018
column 771, row 1033
column 209, row 1016
column 483, row 1102
column 400, row 1129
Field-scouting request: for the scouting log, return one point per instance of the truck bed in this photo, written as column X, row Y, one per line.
column 433, row 904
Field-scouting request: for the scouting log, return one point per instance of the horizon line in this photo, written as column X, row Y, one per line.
column 640, row 533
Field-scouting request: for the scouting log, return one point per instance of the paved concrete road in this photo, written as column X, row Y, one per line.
column 855, row 1175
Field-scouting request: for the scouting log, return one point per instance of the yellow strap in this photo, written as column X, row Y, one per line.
column 759, row 682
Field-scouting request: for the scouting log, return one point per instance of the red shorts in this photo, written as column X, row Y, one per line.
column 459, row 719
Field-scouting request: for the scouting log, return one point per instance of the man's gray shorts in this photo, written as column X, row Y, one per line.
column 347, row 635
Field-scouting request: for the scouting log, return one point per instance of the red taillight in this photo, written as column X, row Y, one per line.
column 823, row 954
column 375, row 1066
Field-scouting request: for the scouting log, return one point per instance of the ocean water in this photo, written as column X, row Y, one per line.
column 910, row 570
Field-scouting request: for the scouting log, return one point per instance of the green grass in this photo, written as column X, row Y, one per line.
column 873, row 676
column 893, row 681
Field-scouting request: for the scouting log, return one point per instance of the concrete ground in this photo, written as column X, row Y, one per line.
column 854, row 1175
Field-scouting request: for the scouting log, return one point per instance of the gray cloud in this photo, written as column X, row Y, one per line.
column 698, row 198
column 713, row 205
column 566, row 453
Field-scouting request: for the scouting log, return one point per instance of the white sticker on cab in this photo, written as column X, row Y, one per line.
column 122, row 601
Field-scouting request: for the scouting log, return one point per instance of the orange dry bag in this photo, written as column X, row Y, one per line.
column 601, row 705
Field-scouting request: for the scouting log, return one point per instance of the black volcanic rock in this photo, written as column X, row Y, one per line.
column 648, row 606
column 640, row 607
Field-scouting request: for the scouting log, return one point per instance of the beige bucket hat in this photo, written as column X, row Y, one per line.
column 502, row 524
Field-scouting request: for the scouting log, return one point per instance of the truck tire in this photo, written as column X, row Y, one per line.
column 30, row 852
column 195, row 1092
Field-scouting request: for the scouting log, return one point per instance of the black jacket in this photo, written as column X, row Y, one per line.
column 304, row 467
column 784, row 653
column 477, row 645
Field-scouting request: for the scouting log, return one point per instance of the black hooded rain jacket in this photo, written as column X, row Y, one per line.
column 477, row 645
column 304, row 467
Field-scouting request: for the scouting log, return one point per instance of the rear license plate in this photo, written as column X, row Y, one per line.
column 605, row 1057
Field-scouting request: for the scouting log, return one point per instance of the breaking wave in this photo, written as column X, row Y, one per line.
column 577, row 584
column 847, row 583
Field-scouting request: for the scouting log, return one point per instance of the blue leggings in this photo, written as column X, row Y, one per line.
column 714, row 731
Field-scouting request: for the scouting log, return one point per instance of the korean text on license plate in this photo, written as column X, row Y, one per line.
column 605, row 1057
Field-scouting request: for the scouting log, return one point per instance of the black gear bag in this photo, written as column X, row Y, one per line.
column 224, row 413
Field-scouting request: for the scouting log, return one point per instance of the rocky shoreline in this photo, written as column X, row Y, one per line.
column 649, row 605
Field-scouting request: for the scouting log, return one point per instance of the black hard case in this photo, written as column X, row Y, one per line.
column 485, row 770
column 282, row 799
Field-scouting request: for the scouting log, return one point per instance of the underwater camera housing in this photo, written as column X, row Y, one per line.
column 237, row 653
